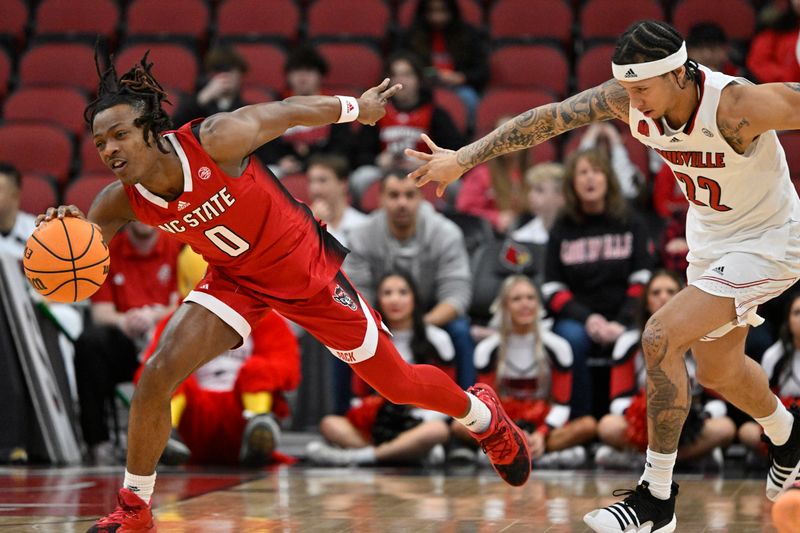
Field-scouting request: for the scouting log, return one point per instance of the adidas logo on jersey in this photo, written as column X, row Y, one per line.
column 183, row 205
column 719, row 270
column 203, row 287
column 674, row 140
column 631, row 74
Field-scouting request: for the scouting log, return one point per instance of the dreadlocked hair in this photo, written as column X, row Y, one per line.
column 651, row 40
column 139, row 89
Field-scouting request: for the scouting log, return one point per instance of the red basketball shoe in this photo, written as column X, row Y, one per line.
column 503, row 442
column 132, row 515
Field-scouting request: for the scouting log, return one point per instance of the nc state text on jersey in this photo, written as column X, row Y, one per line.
column 208, row 210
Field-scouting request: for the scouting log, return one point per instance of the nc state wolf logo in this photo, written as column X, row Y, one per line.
column 343, row 298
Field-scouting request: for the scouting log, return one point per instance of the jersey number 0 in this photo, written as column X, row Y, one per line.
column 227, row 241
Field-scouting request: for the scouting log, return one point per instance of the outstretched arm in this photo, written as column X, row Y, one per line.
column 530, row 128
column 230, row 137
column 747, row 111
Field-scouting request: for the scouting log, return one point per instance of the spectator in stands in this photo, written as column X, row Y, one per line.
column 454, row 53
column 409, row 113
column 140, row 290
column 496, row 190
column 305, row 69
column 15, row 228
column 773, row 55
column 605, row 137
column 15, row 225
column 708, row 45
column 407, row 233
column 781, row 362
column 545, row 183
column 624, row 430
column 224, row 69
column 376, row 430
column 328, row 187
column 597, row 264
column 223, row 412
column 531, row 369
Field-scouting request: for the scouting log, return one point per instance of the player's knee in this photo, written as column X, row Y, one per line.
column 159, row 376
column 659, row 339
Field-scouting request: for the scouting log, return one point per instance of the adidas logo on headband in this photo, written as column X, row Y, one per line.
column 650, row 69
column 631, row 74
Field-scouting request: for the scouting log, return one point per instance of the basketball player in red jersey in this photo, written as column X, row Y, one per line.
column 265, row 251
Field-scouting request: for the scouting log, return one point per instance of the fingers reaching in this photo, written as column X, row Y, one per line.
column 440, row 189
column 427, row 140
column 419, row 155
column 391, row 91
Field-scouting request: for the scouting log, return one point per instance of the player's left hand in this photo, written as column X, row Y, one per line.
column 372, row 104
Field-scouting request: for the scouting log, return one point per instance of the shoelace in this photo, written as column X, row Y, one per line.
column 638, row 499
column 120, row 513
column 498, row 445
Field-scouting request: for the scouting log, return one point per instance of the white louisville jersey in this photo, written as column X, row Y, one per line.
column 737, row 202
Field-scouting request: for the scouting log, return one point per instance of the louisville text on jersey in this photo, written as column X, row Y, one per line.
column 693, row 159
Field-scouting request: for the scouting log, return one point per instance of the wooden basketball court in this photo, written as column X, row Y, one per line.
column 305, row 499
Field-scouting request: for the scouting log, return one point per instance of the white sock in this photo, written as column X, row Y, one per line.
column 778, row 425
column 479, row 417
column 142, row 486
column 658, row 473
column 364, row 456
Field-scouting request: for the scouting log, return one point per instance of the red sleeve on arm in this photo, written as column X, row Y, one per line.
column 561, row 386
column 623, row 378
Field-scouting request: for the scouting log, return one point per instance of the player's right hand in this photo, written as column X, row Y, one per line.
column 59, row 212
column 440, row 165
column 372, row 104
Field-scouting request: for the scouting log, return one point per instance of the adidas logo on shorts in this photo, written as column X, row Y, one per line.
column 674, row 140
column 719, row 270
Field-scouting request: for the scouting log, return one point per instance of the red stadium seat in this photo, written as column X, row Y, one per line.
column 450, row 102
column 59, row 64
column 531, row 20
column 499, row 102
column 594, row 66
column 14, row 17
column 90, row 158
column 737, row 17
column 252, row 94
column 529, row 66
column 264, row 65
column 77, row 18
column 608, row 19
column 60, row 105
column 174, row 66
column 37, row 148
column 351, row 65
column 337, row 19
column 791, row 145
column 471, row 12
column 83, row 190
column 297, row 185
column 37, row 194
column 248, row 19
column 176, row 18
column 5, row 72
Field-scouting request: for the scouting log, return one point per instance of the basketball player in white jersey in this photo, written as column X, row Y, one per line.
column 717, row 133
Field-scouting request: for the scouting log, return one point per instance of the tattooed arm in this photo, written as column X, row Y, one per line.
column 532, row 127
column 747, row 111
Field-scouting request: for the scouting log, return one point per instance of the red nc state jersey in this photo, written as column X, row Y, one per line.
column 248, row 227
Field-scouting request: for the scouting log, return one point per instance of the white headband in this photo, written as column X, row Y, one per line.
column 650, row 69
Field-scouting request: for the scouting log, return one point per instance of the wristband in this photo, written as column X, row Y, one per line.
column 349, row 109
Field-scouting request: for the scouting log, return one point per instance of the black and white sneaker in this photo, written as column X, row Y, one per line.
column 260, row 438
column 639, row 512
column 784, row 460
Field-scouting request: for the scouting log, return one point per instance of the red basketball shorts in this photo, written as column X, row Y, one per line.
column 337, row 315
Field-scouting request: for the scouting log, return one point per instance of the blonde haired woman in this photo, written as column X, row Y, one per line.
column 532, row 370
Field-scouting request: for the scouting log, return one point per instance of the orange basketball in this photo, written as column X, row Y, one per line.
column 66, row 259
column 786, row 511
